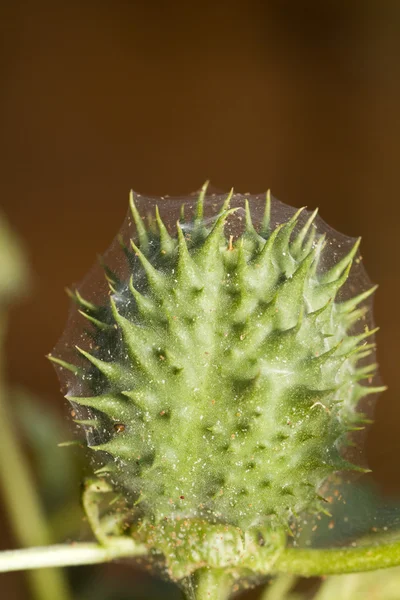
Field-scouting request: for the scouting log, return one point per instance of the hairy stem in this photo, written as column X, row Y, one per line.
column 310, row 563
column 21, row 500
column 209, row 584
column 306, row 563
column 63, row 555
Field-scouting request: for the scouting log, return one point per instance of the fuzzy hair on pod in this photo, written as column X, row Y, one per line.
column 219, row 377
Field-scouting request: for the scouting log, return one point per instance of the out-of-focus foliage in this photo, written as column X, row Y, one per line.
column 13, row 269
column 281, row 588
column 58, row 470
column 101, row 587
column 376, row 585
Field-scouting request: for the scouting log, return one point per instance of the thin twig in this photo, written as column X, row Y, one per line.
column 65, row 555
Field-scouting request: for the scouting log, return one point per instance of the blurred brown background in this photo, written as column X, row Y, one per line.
column 99, row 97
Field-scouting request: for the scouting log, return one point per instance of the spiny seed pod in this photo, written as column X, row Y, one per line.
column 222, row 374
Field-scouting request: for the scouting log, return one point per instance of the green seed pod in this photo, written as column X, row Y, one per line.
column 219, row 378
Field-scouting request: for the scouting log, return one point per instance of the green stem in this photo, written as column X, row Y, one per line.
column 295, row 561
column 21, row 500
column 209, row 584
column 310, row 563
column 63, row 555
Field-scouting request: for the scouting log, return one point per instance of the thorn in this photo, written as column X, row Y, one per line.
column 167, row 243
column 363, row 336
column 200, row 203
column 70, row 443
column 267, row 248
column 352, row 303
column 249, row 223
column 78, row 371
column 106, row 469
column 154, row 277
column 127, row 251
column 353, row 317
column 110, row 275
column 319, row 311
column 182, row 245
column 345, row 465
column 365, row 372
column 325, row 511
column 86, row 422
column 121, row 242
column 310, row 241
column 319, row 247
column 297, row 245
column 336, row 271
column 326, row 409
column 213, row 237
column 140, row 227
column 361, row 391
column 108, row 369
column 144, row 305
column 140, row 499
column 328, row 354
column 114, row 500
column 333, row 287
column 96, row 322
column 151, row 224
column 226, row 203
column 76, row 297
column 114, row 406
column 266, row 221
column 281, row 245
column 186, row 268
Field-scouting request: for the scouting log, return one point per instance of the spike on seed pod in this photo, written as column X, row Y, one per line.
column 227, row 364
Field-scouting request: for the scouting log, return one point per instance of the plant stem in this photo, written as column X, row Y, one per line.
column 63, row 555
column 209, row 584
column 310, row 563
column 21, row 499
column 295, row 561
